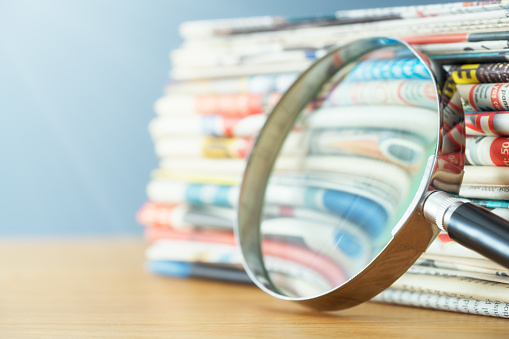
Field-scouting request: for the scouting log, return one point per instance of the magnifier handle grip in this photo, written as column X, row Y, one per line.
column 469, row 225
column 480, row 230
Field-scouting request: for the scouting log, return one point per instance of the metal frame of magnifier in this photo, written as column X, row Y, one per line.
column 413, row 233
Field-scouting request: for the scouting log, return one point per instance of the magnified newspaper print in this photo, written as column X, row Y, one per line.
column 348, row 170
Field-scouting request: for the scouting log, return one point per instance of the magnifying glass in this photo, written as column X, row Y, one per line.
column 377, row 139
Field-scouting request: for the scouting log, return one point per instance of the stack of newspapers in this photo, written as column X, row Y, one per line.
column 228, row 75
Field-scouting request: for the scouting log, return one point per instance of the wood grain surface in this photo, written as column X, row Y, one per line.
column 95, row 288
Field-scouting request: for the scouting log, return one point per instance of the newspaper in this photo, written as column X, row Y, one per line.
column 228, row 75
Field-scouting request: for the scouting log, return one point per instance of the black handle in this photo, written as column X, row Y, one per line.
column 482, row 231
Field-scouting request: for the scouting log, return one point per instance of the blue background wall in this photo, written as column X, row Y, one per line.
column 77, row 83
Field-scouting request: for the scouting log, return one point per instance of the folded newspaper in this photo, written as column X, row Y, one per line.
column 228, row 75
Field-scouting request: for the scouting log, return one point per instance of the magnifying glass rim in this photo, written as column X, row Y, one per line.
column 411, row 235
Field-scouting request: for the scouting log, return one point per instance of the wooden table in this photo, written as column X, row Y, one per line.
column 98, row 288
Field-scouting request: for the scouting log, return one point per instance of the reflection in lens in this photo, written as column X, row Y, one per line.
column 348, row 171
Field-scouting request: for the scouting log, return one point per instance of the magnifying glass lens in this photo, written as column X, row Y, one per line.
column 339, row 168
column 348, row 170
